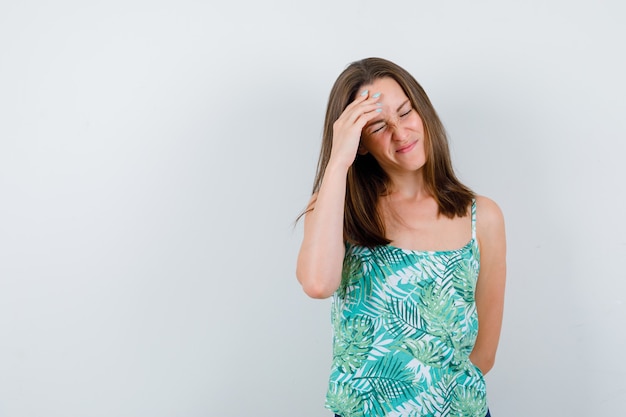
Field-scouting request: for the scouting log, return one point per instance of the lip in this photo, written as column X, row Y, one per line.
column 406, row 148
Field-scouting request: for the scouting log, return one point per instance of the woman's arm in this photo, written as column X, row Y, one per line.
column 491, row 282
column 321, row 255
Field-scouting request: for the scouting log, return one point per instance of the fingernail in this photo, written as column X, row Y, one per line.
column 379, row 104
column 364, row 93
column 379, row 110
column 376, row 95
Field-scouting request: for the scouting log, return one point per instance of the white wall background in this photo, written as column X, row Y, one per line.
column 153, row 155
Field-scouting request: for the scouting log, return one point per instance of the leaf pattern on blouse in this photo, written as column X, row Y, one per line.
column 404, row 324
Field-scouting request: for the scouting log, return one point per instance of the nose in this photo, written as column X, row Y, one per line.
column 398, row 132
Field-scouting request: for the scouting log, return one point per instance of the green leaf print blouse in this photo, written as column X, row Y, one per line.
column 404, row 324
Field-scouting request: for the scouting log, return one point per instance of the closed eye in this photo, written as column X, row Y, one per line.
column 380, row 128
column 406, row 113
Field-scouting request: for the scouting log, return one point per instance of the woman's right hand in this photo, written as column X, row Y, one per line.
column 348, row 127
column 320, row 260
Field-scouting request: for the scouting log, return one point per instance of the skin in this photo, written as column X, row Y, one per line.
column 382, row 122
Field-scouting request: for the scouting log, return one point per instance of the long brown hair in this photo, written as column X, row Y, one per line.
column 366, row 180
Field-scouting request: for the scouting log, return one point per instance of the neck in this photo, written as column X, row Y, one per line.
column 410, row 185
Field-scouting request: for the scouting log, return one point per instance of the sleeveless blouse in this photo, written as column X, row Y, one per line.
column 404, row 323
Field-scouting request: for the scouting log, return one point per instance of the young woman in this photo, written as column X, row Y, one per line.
column 414, row 260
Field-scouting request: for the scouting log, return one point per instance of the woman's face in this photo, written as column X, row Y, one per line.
column 395, row 138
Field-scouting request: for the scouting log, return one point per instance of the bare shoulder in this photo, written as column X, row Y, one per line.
column 488, row 212
column 489, row 220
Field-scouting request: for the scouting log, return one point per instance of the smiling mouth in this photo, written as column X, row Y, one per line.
column 406, row 148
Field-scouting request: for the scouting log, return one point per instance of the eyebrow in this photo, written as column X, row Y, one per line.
column 375, row 122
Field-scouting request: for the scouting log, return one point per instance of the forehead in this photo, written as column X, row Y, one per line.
column 388, row 87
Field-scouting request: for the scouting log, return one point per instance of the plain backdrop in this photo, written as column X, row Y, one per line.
column 155, row 154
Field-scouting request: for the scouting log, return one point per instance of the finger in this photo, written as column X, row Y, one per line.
column 370, row 113
column 371, row 105
column 362, row 97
